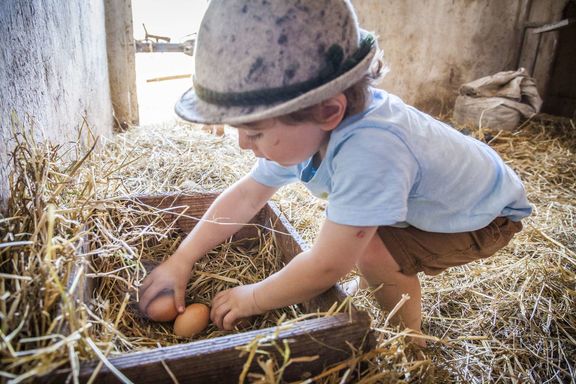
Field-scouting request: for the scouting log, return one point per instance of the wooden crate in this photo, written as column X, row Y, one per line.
column 218, row 360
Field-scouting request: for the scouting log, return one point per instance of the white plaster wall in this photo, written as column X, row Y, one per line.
column 433, row 47
column 53, row 68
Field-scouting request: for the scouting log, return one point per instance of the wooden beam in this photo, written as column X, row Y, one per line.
column 219, row 360
column 554, row 26
column 121, row 62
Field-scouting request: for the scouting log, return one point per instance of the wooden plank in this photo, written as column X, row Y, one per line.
column 554, row 26
column 191, row 207
column 289, row 240
column 80, row 285
column 187, row 208
column 218, row 360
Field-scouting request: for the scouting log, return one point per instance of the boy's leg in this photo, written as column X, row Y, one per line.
column 395, row 256
column 379, row 267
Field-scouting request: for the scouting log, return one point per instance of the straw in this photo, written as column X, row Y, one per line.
column 509, row 318
column 142, row 240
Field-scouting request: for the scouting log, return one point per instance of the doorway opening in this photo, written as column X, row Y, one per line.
column 162, row 77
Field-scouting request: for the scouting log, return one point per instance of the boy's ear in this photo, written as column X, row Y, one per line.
column 332, row 111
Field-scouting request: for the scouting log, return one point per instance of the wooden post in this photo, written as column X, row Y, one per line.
column 326, row 341
column 121, row 62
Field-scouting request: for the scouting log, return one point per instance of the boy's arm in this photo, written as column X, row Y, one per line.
column 312, row 272
column 234, row 207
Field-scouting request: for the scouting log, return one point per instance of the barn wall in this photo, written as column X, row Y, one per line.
column 54, row 71
column 433, row 47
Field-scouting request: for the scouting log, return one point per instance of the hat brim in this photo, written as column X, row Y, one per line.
column 193, row 109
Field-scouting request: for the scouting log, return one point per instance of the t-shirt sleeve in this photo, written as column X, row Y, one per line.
column 373, row 175
column 273, row 174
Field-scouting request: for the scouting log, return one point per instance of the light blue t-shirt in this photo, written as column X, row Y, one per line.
column 395, row 165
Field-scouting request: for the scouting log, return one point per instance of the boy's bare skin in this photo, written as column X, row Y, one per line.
column 336, row 251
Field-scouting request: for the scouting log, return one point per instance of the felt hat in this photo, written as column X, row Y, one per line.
column 257, row 59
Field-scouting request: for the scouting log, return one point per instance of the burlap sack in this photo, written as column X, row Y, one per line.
column 499, row 101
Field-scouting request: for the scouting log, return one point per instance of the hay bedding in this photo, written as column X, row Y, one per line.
column 129, row 240
column 509, row 318
column 63, row 210
column 512, row 317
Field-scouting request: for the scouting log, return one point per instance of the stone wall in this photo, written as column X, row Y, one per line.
column 53, row 71
column 433, row 47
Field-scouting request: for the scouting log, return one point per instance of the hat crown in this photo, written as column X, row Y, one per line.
column 249, row 45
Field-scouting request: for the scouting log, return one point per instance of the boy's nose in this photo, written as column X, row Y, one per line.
column 243, row 142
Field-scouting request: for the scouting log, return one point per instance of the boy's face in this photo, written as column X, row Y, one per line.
column 285, row 144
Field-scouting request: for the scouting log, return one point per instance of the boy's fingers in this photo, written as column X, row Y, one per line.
column 217, row 316
column 228, row 321
column 145, row 285
column 148, row 296
column 213, row 314
column 179, row 299
column 217, row 301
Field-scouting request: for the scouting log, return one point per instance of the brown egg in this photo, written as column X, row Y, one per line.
column 192, row 321
column 162, row 308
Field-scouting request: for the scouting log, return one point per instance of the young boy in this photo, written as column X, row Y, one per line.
column 406, row 193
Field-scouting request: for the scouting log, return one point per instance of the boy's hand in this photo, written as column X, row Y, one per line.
column 171, row 275
column 232, row 305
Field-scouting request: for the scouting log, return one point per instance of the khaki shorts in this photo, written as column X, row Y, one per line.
column 419, row 251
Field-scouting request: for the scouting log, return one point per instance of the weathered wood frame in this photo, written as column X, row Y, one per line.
column 219, row 360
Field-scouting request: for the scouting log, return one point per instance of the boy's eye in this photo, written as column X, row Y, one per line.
column 254, row 137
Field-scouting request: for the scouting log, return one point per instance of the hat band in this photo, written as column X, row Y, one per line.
column 335, row 66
